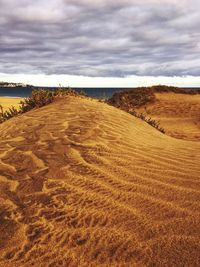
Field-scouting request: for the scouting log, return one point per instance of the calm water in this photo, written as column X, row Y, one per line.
column 101, row 93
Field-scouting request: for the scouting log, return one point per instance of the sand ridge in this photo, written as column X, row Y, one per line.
column 179, row 114
column 85, row 184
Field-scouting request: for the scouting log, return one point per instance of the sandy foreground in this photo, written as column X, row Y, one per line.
column 85, row 184
column 7, row 102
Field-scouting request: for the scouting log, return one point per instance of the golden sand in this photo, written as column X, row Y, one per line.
column 85, row 184
column 7, row 102
column 179, row 114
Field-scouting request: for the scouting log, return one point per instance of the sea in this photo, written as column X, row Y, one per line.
column 97, row 92
column 100, row 93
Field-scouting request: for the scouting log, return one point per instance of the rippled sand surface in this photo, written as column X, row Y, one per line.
column 179, row 114
column 85, row 184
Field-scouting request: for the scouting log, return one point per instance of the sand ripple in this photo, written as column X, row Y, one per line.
column 84, row 184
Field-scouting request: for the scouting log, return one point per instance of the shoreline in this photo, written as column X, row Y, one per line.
column 7, row 96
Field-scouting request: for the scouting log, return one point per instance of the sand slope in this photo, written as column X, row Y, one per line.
column 85, row 184
column 179, row 114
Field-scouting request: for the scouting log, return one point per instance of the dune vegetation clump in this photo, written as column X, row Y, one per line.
column 149, row 120
column 136, row 98
column 7, row 114
column 173, row 89
column 38, row 98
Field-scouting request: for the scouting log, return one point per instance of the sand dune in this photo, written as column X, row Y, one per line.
column 179, row 114
column 85, row 184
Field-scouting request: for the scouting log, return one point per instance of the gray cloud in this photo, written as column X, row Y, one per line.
column 100, row 38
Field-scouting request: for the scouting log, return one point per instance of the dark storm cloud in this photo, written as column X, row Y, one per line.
column 100, row 38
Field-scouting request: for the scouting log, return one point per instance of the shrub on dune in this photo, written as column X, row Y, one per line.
column 38, row 98
column 136, row 98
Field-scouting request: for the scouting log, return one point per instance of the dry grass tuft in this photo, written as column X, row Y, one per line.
column 149, row 120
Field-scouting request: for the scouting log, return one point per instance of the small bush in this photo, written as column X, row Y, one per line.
column 38, row 98
column 135, row 98
column 138, row 97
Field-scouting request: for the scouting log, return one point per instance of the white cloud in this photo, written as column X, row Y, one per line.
column 84, row 81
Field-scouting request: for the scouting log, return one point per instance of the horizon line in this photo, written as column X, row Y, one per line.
column 65, row 80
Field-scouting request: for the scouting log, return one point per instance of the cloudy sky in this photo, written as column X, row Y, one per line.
column 109, row 42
